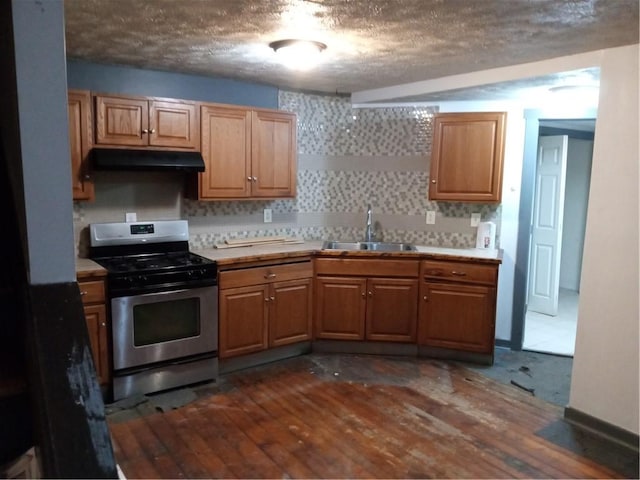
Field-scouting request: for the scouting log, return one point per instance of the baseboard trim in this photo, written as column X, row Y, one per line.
column 603, row 429
column 503, row 343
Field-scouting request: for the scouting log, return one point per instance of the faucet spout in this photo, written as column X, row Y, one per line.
column 369, row 233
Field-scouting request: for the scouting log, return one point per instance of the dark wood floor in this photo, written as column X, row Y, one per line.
column 323, row 416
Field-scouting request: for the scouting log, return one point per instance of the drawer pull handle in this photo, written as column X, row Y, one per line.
column 83, row 293
column 459, row 274
column 270, row 275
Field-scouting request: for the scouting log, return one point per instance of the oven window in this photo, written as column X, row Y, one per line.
column 165, row 321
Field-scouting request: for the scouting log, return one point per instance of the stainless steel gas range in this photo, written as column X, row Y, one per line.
column 164, row 305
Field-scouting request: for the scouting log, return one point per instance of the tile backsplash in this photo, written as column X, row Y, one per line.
column 347, row 158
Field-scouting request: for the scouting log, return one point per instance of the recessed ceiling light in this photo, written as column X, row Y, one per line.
column 298, row 54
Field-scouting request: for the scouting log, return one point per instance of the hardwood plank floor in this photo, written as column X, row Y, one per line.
column 352, row 416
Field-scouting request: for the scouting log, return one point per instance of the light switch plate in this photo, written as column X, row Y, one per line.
column 431, row 217
column 130, row 217
column 475, row 219
column 267, row 215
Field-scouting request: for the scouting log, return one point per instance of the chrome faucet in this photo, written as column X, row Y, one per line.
column 368, row 236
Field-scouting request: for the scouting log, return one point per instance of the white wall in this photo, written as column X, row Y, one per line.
column 42, row 94
column 605, row 368
column 576, row 198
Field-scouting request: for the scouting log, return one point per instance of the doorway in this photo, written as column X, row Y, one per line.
column 562, row 175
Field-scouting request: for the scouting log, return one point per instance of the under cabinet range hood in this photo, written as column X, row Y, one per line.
column 146, row 160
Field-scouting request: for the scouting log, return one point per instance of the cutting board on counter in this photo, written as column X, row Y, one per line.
column 249, row 242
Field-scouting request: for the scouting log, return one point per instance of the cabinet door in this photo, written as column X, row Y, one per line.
column 80, row 130
column 467, row 157
column 290, row 312
column 340, row 308
column 460, row 317
column 122, row 121
column 173, row 124
column 243, row 320
column 273, row 146
column 392, row 309
column 96, row 318
column 226, row 148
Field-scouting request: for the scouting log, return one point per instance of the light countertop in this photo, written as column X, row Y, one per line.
column 229, row 256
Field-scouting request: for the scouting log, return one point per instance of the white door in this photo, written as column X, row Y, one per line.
column 546, row 232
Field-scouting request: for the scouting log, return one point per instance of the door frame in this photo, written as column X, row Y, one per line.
column 527, row 192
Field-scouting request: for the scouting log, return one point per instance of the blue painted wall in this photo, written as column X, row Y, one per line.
column 155, row 83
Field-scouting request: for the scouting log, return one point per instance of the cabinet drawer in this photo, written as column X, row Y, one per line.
column 460, row 272
column 370, row 267
column 92, row 291
column 267, row 274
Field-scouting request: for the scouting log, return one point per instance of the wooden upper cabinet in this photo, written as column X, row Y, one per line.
column 174, row 124
column 226, row 149
column 247, row 153
column 80, row 134
column 146, row 122
column 122, row 121
column 273, row 144
column 467, row 157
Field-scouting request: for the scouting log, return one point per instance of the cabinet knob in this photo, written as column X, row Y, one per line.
column 153, row 130
column 364, row 295
column 458, row 274
column 255, row 179
column 145, row 131
column 270, row 275
column 249, row 179
column 273, row 299
column 103, row 324
column 433, row 181
column 83, row 292
column 425, row 298
column 266, row 299
column 371, row 294
column 87, row 176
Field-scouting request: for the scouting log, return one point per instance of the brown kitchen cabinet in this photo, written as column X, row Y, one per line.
column 92, row 293
column 264, row 307
column 80, row 142
column 467, row 157
column 458, row 306
column 147, row 122
column 248, row 153
column 374, row 299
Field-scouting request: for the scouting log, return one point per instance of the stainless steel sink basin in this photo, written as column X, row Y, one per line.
column 369, row 246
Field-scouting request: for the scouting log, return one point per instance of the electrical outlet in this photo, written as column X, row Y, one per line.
column 130, row 217
column 431, row 217
column 475, row 219
column 267, row 215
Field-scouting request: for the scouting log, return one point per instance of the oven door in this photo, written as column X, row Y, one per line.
column 156, row 327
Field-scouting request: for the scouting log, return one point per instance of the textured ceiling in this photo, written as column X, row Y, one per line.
column 370, row 44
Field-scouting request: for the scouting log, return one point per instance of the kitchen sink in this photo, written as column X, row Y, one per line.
column 369, row 246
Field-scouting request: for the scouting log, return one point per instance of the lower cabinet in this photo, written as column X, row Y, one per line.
column 92, row 293
column 354, row 307
column 457, row 306
column 264, row 307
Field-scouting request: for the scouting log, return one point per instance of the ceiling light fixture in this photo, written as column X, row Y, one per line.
column 298, row 54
